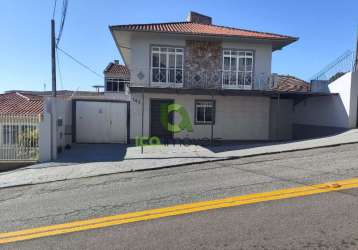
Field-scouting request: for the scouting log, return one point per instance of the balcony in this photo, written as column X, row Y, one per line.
column 201, row 79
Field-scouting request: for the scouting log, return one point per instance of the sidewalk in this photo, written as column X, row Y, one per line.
column 156, row 157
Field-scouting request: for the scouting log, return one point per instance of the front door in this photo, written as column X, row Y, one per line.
column 156, row 126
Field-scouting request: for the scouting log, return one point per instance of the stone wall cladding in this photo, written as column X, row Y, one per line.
column 202, row 64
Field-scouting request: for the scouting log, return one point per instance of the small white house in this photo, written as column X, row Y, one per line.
column 24, row 128
column 35, row 126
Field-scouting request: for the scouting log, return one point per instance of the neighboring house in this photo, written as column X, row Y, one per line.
column 117, row 77
column 60, row 93
column 21, row 104
column 220, row 75
column 287, row 83
column 116, row 80
column 20, row 125
column 29, row 124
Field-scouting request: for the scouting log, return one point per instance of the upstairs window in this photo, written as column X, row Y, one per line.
column 238, row 68
column 167, row 65
column 115, row 84
column 204, row 112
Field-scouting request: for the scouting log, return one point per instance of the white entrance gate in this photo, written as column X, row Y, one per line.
column 101, row 122
column 19, row 137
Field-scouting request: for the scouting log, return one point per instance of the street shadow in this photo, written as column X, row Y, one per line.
column 224, row 146
column 86, row 153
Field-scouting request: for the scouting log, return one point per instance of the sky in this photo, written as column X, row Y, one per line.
column 326, row 30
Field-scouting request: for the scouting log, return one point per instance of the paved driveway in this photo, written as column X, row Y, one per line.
column 84, row 153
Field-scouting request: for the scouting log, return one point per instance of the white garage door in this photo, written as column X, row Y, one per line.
column 101, row 122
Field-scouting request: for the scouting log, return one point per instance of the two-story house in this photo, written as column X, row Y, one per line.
column 218, row 78
column 220, row 75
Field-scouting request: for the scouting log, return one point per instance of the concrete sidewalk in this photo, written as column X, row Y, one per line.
column 156, row 157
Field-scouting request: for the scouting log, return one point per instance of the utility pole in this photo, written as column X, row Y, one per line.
column 54, row 94
column 53, row 57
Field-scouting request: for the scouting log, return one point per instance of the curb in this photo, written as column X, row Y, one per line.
column 241, row 157
column 186, row 164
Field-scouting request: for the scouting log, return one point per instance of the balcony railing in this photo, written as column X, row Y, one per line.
column 201, row 79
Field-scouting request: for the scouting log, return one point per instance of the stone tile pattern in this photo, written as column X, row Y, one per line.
column 202, row 64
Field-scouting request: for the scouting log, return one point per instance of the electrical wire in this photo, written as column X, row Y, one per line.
column 59, row 70
column 63, row 18
column 54, row 9
column 80, row 63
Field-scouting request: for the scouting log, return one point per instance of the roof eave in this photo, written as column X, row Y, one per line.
column 283, row 43
column 116, row 42
column 107, row 68
column 284, row 40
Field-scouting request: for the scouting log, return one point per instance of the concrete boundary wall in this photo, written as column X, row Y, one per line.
column 281, row 119
column 45, row 138
column 325, row 115
column 60, row 116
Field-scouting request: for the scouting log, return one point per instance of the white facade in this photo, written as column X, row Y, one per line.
column 236, row 117
column 138, row 57
column 262, row 58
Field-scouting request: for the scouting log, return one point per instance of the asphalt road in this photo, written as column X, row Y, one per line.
column 325, row 221
column 294, row 223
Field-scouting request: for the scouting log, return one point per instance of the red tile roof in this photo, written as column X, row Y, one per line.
column 21, row 104
column 118, row 70
column 290, row 84
column 192, row 28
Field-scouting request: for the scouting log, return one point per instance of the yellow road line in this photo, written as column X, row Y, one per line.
column 108, row 221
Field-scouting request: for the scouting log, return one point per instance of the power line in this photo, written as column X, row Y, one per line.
column 54, row 9
column 59, row 69
column 57, row 48
column 63, row 18
column 80, row 63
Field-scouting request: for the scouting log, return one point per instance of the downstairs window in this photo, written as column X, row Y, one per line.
column 204, row 112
